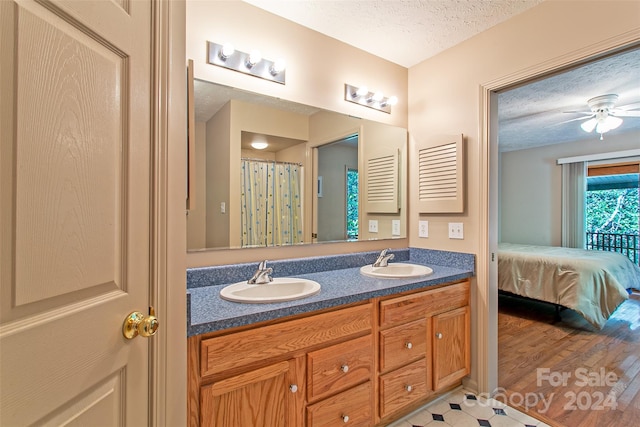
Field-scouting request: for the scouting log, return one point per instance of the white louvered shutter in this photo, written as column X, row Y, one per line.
column 441, row 175
column 381, row 186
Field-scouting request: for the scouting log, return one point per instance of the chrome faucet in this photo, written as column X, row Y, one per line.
column 262, row 275
column 383, row 258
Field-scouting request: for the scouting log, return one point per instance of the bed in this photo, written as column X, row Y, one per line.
column 593, row 283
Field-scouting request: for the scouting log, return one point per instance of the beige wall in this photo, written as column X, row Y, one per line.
column 447, row 96
column 318, row 66
column 531, row 184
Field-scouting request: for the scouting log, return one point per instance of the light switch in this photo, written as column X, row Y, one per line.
column 423, row 229
column 223, row 207
column 373, row 226
column 395, row 227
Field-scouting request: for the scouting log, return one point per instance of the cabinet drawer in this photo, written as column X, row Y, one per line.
column 423, row 304
column 351, row 408
column 252, row 346
column 340, row 366
column 403, row 344
column 403, row 386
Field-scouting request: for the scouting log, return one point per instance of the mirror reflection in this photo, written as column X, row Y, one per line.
column 270, row 172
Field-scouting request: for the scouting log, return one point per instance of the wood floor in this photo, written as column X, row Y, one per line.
column 601, row 368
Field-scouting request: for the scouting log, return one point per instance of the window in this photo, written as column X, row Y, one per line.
column 352, row 204
column 612, row 209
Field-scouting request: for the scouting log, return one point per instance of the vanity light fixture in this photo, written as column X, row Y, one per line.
column 248, row 63
column 376, row 100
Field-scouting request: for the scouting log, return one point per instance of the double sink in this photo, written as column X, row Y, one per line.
column 290, row 288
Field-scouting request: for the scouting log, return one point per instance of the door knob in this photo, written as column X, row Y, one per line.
column 137, row 323
column 439, row 335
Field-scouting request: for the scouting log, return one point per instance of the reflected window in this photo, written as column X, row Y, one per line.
column 352, row 204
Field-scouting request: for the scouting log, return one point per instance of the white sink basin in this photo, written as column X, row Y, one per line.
column 280, row 289
column 396, row 270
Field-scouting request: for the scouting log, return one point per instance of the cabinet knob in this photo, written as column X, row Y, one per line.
column 344, row 368
column 438, row 335
column 345, row 418
column 293, row 388
column 408, row 388
column 408, row 345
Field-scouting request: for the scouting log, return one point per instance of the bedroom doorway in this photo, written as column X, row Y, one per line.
column 493, row 176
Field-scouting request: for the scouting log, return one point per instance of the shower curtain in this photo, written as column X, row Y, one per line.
column 271, row 203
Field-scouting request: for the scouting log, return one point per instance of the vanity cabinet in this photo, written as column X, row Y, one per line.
column 315, row 369
column 424, row 346
column 359, row 365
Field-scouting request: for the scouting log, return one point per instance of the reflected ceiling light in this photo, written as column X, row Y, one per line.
column 252, row 64
column 376, row 100
column 259, row 145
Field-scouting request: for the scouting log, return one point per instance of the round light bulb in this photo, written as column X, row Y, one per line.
column 254, row 57
column 227, row 50
column 377, row 97
column 362, row 91
column 393, row 100
column 279, row 65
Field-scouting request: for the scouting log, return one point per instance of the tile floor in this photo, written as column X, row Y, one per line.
column 461, row 408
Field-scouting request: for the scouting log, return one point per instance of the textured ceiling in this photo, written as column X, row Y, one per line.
column 530, row 115
column 536, row 114
column 402, row 31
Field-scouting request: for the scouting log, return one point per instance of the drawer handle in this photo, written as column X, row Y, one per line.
column 345, row 418
column 293, row 388
column 345, row 369
column 409, row 345
column 408, row 388
column 438, row 335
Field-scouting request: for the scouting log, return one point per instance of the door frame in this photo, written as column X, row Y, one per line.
column 487, row 277
column 168, row 351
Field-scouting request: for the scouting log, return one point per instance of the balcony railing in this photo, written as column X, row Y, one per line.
column 626, row 244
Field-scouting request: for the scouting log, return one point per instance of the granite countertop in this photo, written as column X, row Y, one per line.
column 208, row 312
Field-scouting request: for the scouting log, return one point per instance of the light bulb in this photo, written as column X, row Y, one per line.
column 254, row 57
column 377, row 97
column 226, row 51
column 393, row 100
column 589, row 125
column 362, row 91
column 278, row 66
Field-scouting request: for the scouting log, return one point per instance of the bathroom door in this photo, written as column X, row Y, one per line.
column 75, row 141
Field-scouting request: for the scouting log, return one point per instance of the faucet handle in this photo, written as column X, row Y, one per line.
column 263, row 265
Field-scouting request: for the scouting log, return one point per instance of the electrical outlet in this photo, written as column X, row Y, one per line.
column 395, row 227
column 423, row 229
column 373, row 226
column 456, row 230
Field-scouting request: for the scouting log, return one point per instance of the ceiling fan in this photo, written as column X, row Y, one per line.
column 603, row 116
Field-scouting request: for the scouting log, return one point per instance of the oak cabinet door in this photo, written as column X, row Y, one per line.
column 451, row 347
column 265, row 397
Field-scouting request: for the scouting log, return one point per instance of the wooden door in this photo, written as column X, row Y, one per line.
column 75, row 218
column 451, row 347
column 264, row 397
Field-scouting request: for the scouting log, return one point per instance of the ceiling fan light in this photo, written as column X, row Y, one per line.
column 613, row 122
column 589, row 125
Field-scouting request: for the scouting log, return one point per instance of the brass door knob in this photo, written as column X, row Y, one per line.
column 137, row 323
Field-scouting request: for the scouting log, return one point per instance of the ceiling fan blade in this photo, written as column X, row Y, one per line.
column 625, row 113
column 588, row 113
column 573, row 120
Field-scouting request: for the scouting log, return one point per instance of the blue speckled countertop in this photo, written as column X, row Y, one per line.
column 339, row 277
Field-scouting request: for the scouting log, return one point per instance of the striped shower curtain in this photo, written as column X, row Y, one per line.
column 271, row 200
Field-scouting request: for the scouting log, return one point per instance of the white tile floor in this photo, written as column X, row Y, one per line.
column 461, row 408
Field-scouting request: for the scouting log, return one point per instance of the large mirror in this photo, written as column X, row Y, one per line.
column 271, row 173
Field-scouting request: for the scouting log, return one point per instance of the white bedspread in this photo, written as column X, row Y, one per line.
column 593, row 283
